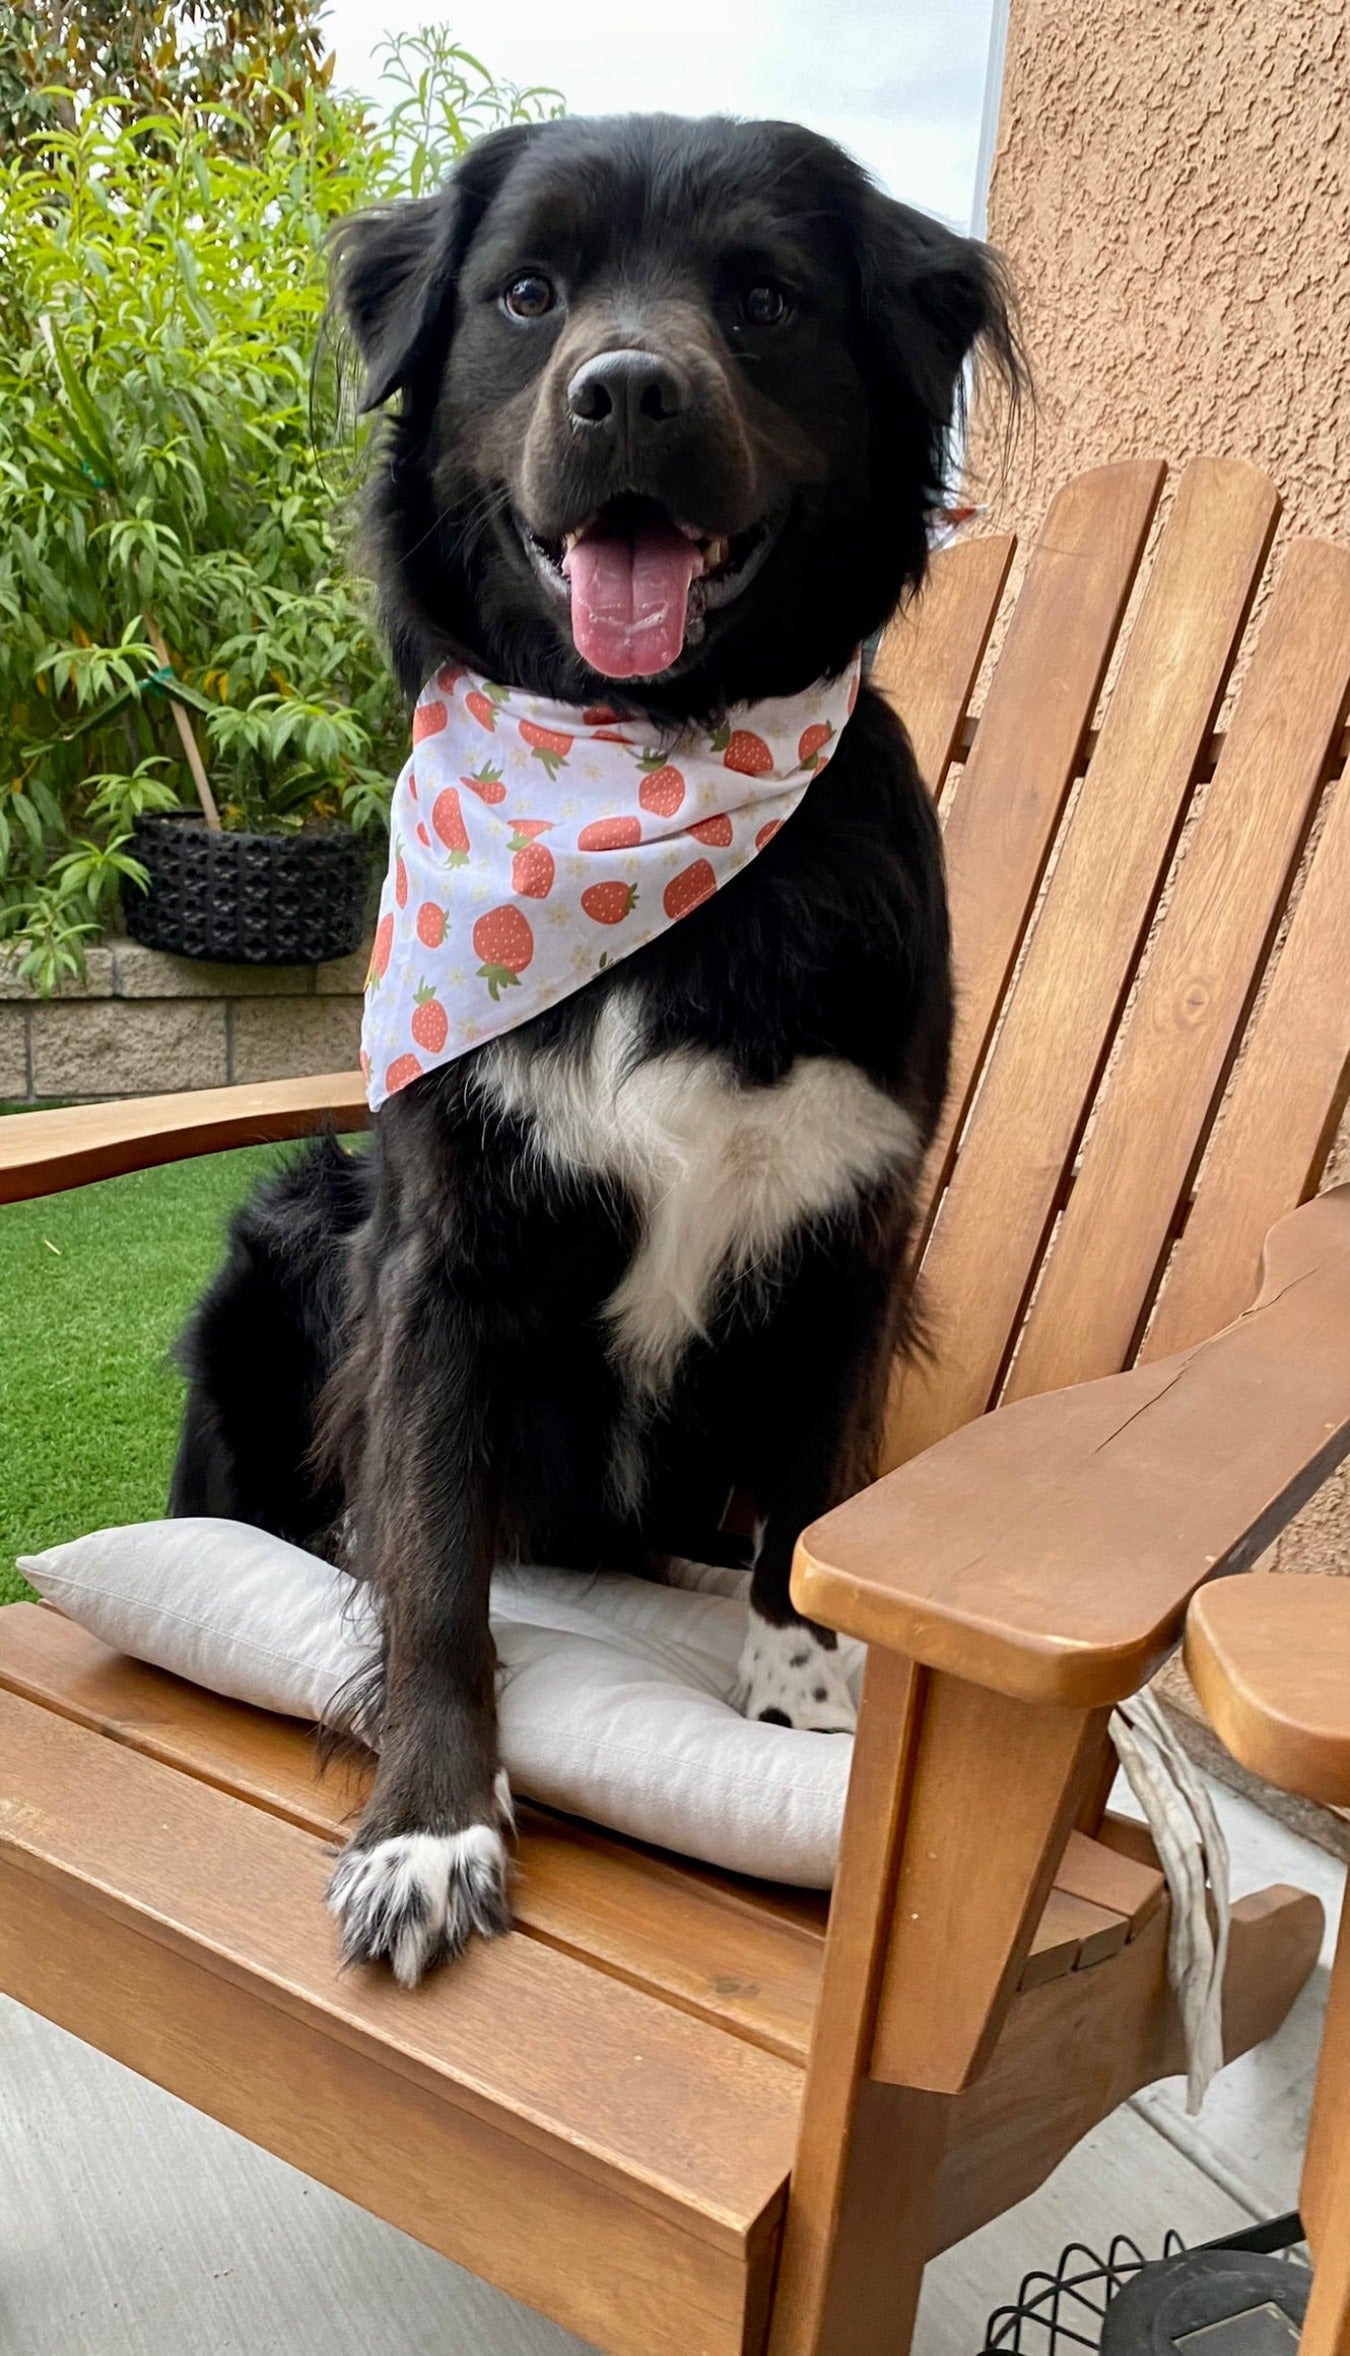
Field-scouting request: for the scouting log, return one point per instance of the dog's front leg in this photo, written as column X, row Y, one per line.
column 810, row 1443
column 427, row 1865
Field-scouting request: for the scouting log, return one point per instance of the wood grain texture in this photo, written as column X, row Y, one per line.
column 833, row 2150
column 1270, row 1660
column 930, row 656
column 742, row 1955
column 1283, row 1110
column 595, row 2076
column 1152, row 1117
column 44, row 1153
column 1012, row 790
column 1072, row 1934
column 619, row 2274
column 1073, row 2049
column 1324, row 2195
column 1018, row 1148
column 1050, row 1550
column 1104, row 1877
column 994, row 1787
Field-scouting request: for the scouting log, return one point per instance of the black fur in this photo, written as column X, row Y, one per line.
column 470, row 1400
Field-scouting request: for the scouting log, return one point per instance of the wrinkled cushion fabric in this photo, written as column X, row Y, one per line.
column 613, row 1691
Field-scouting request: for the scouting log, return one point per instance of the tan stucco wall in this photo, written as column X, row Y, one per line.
column 1171, row 184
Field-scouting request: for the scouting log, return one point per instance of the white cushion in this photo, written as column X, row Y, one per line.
column 613, row 1692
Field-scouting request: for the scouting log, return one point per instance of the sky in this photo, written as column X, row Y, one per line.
column 898, row 82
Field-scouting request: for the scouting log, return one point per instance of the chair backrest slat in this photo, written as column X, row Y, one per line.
column 1285, row 1105
column 930, row 657
column 1018, row 1148
column 1010, row 796
column 1152, row 1117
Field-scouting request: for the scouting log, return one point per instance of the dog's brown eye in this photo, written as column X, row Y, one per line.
column 765, row 305
column 528, row 297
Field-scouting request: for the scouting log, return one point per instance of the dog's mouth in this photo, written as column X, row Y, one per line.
column 640, row 582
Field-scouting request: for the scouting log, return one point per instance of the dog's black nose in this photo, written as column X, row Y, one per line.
column 627, row 394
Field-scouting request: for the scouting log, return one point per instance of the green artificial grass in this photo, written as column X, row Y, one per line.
column 94, row 1286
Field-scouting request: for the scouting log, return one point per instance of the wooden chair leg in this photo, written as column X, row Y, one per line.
column 829, row 2279
column 884, row 2231
column 1325, row 2194
column 1326, row 2326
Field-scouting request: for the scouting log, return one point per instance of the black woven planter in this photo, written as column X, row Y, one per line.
column 247, row 899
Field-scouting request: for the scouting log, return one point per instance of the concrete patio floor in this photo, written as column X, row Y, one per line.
column 131, row 2226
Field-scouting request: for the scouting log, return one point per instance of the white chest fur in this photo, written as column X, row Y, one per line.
column 721, row 1174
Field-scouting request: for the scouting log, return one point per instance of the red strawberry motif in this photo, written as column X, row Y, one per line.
column 505, row 943
column 482, row 703
column 412, row 785
column 810, row 743
column 403, row 1069
column 548, row 745
column 428, row 720
column 527, row 829
column 431, row 924
column 767, row 833
column 448, row 677
column 687, row 889
column 422, row 836
column 662, row 787
column 430, row 1023
column 610, row 834
column 532, row 869
column 400, row 880
column 716, row 831
column 609, row 903
column 486, row 783
column 380, row 954
column 448, row 820
column 365, row 1066
column 742, row 750
column 598, row 715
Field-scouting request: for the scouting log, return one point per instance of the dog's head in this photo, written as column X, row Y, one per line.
column 674, row 403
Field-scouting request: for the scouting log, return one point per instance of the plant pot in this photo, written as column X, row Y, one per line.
column 247, row 899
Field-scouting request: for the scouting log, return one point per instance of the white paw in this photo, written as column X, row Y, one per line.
column 418, row 1897
column 789, row 1677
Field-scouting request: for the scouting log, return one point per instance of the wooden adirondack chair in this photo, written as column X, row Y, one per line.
column 686, row 2114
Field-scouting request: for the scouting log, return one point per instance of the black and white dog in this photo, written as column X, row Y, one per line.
column 644, row 1252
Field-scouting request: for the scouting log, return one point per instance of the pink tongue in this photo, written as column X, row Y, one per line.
column 629, row 600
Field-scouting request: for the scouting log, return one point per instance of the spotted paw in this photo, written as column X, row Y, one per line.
column 788, row 1677
column 416, row 1898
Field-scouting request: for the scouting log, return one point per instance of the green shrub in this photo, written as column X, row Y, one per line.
column 162, row 288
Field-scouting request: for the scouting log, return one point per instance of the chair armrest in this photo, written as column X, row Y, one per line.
column 43, row 1153
column 1049, row 1550
column 1270, row 1660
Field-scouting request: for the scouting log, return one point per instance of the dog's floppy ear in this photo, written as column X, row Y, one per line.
column 395, row 267
column 932, row 302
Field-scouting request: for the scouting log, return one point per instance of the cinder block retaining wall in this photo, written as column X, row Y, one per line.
column 141, row 1023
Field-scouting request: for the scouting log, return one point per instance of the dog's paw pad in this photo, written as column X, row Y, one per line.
column 787, row 1677
column 419, row 1896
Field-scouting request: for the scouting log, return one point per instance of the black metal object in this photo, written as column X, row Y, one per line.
column 1120, row 2303
column 1221, row 2302
column 247, row 899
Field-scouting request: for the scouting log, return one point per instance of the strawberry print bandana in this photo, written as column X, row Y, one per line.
column 532, row 845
